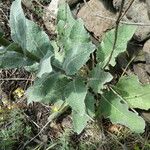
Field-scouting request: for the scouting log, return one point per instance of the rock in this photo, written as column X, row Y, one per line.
column 146, row 50
column 138, row 12
column 140, row 71
column 148, row 7
column 93, row 23
column 147, row 67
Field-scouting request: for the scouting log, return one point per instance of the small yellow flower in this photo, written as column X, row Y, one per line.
column 18, row 93
column 55, row 109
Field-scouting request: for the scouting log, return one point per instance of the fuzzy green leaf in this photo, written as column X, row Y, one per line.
column 45, row 65
column 75, row 94
column 58, row 58
column 14, row 47
column 79, row 121
column 112, row 107
column 74, row 40
column 125, row 33
column 77, row 57
column 32, row 68
column 78, row 33
column 65, row 14
column 136, row 94
column 90, row 104
column 78, row 50
column 27, row 34
column 11, row 59
column 98, row 78
column 65, row 22
column 49, row 88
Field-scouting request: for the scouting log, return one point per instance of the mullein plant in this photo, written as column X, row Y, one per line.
column 59, row 67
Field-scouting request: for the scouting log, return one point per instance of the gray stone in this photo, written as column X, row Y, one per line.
column 146, row 50
column 148, row 7
column 140, row 71
column 94, row 16
column 137, row 13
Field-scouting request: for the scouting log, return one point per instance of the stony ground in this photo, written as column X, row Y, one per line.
column 20, row 122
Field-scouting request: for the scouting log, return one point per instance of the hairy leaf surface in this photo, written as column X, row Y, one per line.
column 75, row 94
column 65, row 23
column 90, row 104
column 73, row 40
column 45, row 65
column 27, row 34
column 79, row 121
column 112, row 107
column 136, row 94
column 77, row 57
column 49, row 88
column 98, row 78
column 11, row 59
column 125, row 33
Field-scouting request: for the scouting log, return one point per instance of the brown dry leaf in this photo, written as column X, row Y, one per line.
column 116, row 129
column 93, row 23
